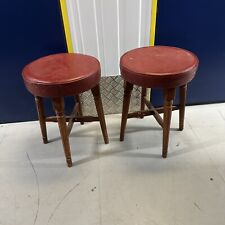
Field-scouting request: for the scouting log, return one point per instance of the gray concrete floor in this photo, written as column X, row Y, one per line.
column 124, row 183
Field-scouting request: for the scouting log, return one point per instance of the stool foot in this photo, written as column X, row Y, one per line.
column 98, row 104
column 41, row 116
column 168, row 105
column 128, row 87
column 58, row 104
column 69, row 162
column 183, row 92
column 45, row 140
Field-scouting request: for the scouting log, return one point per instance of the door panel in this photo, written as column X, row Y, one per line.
column 107, row 29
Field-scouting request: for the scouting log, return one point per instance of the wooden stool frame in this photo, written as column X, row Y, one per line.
column 76, row 116
column 167, row 109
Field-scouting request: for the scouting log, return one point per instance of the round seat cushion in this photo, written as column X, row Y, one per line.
column 158, row 66
column 61, row 75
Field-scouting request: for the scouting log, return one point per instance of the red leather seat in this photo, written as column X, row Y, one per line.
column 61, row 75
column 157, row 67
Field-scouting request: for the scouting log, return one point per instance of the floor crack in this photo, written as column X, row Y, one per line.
column 38, row 189
column 61, row 201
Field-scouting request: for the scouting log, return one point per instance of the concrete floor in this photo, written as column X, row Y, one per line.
column 124, row 183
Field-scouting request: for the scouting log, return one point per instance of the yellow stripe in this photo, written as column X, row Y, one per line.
column 153, row 22
column 152, row 33
column 66, row 25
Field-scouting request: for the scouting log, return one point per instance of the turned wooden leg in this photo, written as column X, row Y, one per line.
column 58, row 104
column 183, row 92
column 80, row 111
column 98, row 103
column 41, row 116
column 128, row 87
column 168, row 104
column 143, row 96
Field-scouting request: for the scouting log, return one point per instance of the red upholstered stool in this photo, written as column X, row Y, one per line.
column 157, row 67
column 60, row 75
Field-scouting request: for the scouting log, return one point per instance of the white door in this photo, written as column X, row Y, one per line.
column 108, row 28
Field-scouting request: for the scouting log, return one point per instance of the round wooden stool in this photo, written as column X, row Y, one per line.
column 60, row 75
column 157, row 67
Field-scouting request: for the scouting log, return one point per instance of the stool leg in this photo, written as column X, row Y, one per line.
column 143, row 95
column 80, row 111
column 128, row 87
column 58, row 104
column 168, row 104
column 183, row 92
column 98, row 103
column 41, row 116
column 77, row 111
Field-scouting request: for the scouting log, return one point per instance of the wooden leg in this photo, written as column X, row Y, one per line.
column 80, row 111
column 41, row 116
column 58, row 104
column 143, row 96
column 168, row 104
column 128, row 87
column 77, row 111
column 183, row 92
column 71, row 122
column 99, row 108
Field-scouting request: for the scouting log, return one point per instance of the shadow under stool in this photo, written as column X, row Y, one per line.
column 157, row 67
column 60, row 75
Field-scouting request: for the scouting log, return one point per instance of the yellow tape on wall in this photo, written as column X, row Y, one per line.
column 152, row 33
column 66, row 25
column 153, row 22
